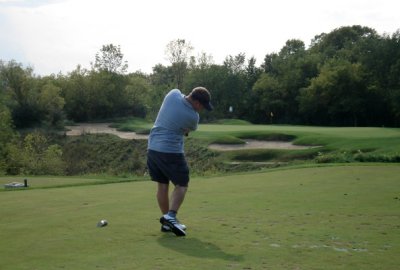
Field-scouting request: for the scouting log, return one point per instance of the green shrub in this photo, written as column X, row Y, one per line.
column 226, row 139
column 340, row 157
column 255, row 155
column 374, row 157
column 356, row 156
column 104, row 154
column 34, row 156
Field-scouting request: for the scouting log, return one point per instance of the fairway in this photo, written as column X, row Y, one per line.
column 356, row 132
column 335, row 217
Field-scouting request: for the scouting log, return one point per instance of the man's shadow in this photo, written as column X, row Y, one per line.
column 196, row 248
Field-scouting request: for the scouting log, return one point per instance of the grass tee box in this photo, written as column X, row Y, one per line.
column 335, row 217
column 34, row 182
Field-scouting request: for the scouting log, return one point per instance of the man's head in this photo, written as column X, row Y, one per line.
column 202, row 96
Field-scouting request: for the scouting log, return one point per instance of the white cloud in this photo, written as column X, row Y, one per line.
column 58, row 35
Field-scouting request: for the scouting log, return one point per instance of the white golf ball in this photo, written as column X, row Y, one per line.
column 102, row 223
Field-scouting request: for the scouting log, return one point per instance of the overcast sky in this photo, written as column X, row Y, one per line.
column 54, row 36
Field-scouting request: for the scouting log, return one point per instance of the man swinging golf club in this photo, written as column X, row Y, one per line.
column 178, row 115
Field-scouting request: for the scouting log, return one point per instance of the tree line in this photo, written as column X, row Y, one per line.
column 348, row 77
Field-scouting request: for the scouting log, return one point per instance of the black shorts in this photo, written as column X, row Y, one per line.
column 165, row 167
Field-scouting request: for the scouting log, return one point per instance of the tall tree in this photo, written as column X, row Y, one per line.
column 52, row 103
column 288, row 72
column 235, row 64
column 252, row 73
column 20, row 85
column 204, row 60
column 75, row 90
column 269, row 63
column 110, row 59
column 337, row 96
column 341, row 42
column 269, row 99
column 178, row 53
column 136, row 92
column 394, row 77
column 6, row 133
column 162, row 80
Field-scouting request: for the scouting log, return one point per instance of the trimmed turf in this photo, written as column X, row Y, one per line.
column 35, row 182
column 339, row 217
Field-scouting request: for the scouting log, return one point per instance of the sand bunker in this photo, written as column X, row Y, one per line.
column 91, row 128
column 256, row 144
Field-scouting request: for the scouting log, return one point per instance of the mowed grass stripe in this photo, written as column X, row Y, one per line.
column 347, row 132
column 342, row 217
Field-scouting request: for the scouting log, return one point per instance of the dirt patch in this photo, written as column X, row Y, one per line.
column 256, row 144
column 92, row 128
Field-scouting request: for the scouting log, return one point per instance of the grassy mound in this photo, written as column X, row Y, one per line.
column 231, row 122
column 109, row 155
column 133, row 124
column 104, row 154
